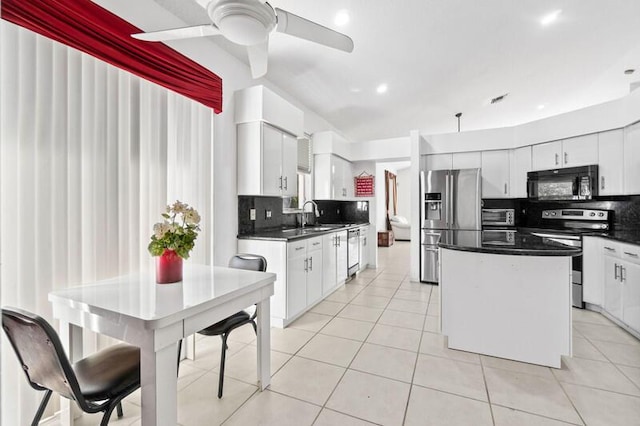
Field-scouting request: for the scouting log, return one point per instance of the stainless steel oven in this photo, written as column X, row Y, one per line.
column 498, row 217
column 567, row 226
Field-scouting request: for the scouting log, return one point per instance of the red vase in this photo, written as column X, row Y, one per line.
column 168, row 267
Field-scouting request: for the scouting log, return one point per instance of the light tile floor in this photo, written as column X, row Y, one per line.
column 371, row 354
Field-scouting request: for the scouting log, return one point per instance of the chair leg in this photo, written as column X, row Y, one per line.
column 108, row 411
column 119, row 410
column 43, row 405
column 222, row 361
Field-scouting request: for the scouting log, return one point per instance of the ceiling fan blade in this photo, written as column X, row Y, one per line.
column 178, row 33
column 258, row 58
column 296, row 26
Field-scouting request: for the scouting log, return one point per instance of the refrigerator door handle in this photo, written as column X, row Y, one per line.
column 452, row 201
column 447, row 201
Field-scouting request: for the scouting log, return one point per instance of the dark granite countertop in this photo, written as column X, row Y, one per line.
column 515, row 243
column 291, row 234
column 630, row 236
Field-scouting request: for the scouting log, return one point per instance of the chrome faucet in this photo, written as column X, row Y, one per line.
column 317, row 213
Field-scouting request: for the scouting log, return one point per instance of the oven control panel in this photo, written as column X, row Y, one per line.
column 576, row 214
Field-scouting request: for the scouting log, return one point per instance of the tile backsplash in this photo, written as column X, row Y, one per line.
column 626, row 209
column 331, row 211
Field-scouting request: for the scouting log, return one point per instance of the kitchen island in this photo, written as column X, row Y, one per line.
column 508, row 298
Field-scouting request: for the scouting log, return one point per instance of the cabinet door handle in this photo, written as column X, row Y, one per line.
column 280, row 182
column 286, row 184
column 615, row 271
column 311, row 263
column 566, row 158
column 631, row 254
column 623, row 275
column 365, row 241
column 306, row 265
column 557, row 159
column 505, row 188
column 601, row 182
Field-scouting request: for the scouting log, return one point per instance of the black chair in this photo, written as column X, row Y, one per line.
column 97, row 383
column 222, row 328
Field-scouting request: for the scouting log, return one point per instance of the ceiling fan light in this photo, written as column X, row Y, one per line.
column 243, row 22
column 243, row 30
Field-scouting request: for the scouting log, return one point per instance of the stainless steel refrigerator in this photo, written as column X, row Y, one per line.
column 449, row 200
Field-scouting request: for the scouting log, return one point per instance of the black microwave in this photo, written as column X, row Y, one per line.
column 571, row 183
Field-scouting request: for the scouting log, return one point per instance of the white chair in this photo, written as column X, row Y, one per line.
column 401, row 228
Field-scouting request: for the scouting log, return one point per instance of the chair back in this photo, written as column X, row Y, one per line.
column 252, row 262
column 40, row 352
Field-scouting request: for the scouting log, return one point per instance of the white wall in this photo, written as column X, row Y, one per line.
column 404, row 192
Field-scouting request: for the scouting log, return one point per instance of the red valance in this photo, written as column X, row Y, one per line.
column 88, row 27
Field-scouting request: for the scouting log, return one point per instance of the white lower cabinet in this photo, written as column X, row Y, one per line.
column 304, row 274
column 364, row 247
column 592, row 270
column 619, row 275
column 630, row 277
column 314, row 270
column 296, row 277
column 612, row 287
column 334, row 261
column 299, row 269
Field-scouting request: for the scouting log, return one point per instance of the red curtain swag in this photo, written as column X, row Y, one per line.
column 88, row 27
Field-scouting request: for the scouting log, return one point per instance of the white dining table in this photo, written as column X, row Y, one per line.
column 154, row 317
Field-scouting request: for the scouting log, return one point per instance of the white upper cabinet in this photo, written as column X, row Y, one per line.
column 573, row 152
column 547, row 155
column 466, row 160
column 438, row 162
column 610, row 161
column 267, row 160
column 580, row 151
column 495, row 174
column 519, row 166
column 632, row 159
column 333, row 177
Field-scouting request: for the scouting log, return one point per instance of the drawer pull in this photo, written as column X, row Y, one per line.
column 316, row 244
column 631, row 254
column 609, row 248
column 299, row 248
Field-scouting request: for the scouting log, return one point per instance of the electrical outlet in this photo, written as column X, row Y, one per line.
column 267, row 214
column 252, row 214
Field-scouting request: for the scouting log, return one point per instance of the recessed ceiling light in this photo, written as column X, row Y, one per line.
column 382, row 88
column 541, row 106
column 550, row 18
column 355, row 90
column 342, row 18
column 629, row 71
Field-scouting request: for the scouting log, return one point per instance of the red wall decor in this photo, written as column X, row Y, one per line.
column 85, row 26
column 364, row 185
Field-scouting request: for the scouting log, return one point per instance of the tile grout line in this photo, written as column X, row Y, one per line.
column 486, row 389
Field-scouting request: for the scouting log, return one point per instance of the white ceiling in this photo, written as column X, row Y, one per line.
column 440, row 57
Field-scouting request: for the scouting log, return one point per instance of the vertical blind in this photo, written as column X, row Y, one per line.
column 89, row 157
column 305, row 154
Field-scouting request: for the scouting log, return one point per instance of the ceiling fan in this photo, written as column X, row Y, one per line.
column 249, row 23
